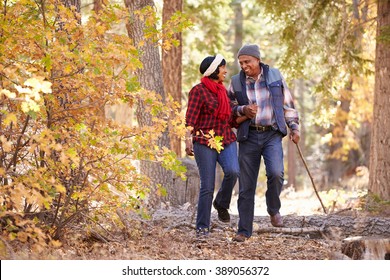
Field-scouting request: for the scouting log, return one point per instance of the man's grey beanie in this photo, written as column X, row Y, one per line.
column 252, row 50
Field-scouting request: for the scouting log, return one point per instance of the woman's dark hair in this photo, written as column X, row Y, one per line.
column 206, row 63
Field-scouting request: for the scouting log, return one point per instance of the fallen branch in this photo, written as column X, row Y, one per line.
column 293, row 231
column 94, row 234
column 123, row 219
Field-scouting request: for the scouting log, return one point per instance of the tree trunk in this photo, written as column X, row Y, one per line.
column 150, row 78
column 73, row 3
column 172, row 65
column 358, row 248
column 293, row 162
column 98, row 5
column 335, row 227
column 185, row 192
column 238, row 33
column 380, row 139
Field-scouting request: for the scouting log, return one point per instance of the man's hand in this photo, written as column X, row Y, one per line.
column 250, row 110
column 295, row 136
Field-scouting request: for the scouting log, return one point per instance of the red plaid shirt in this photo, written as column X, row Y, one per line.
column 202, row 104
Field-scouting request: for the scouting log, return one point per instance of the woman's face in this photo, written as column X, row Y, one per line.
column 222, row 73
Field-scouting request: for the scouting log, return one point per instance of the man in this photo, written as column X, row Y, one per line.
column 261, row 94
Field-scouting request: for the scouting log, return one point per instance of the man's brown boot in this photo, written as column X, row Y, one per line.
column 276, row 220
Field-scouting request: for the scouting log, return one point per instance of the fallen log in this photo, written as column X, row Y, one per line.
column 359, row 248
column 292, row 231
column 336, row 226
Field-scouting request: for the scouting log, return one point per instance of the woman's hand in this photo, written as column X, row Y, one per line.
column 250, row 110
column 189, row 148
column 189, row 144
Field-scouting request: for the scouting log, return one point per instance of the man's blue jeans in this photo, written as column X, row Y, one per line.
column 206, row 160
column 267, row 144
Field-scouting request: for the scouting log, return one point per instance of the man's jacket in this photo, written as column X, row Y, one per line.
column 273, row 82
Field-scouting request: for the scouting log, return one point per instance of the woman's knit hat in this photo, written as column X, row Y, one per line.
column 252, row 50
column 210, row 64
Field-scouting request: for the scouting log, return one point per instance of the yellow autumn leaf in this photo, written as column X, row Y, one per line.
column 35, row 94
column 10, row 118
column 8, row 93
column 34, row 106
column 25, row 107
column 60, row 188
column 39, row 84
column 23, row 89
column 55, row 243
column 46, row 87
column 32, row 82
column 6, row 145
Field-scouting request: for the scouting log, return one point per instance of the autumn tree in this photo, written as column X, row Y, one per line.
column 380, row 140
column 62, row 163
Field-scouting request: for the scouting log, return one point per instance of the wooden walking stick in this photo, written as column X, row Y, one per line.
column 311, row 178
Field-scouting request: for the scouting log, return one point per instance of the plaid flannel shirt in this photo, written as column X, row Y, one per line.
column 202, row 104
column 259, row 94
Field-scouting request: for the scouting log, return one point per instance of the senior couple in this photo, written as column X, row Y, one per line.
column 259, row 104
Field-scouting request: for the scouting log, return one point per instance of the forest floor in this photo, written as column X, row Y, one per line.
column 170, row 235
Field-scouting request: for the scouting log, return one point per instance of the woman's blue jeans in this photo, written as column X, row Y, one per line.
column 268, row 145
column 206, row 160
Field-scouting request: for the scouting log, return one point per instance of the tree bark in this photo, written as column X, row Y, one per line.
column 337, row 166
column 172, row 66
column 293, row 161
column 238, row 33
column 76, row 4
column 98, row 5
column 359, row 248
column 182, row 192
column 150, row 78
column 335, row 227
column 380, row 139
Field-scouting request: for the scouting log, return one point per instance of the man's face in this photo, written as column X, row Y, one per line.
column 250, row 65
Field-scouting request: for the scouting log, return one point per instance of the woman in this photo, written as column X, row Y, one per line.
column 209, row 110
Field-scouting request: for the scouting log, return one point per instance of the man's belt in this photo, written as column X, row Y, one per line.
column 260, row 128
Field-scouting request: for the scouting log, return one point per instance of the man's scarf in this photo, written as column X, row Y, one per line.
column 223, row 111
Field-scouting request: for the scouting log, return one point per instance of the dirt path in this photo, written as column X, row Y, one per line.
column 170, row 235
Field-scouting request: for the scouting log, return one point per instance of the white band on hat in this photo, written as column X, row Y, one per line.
column 214, row 65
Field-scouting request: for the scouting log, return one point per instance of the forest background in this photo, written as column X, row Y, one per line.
column 93, row 95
